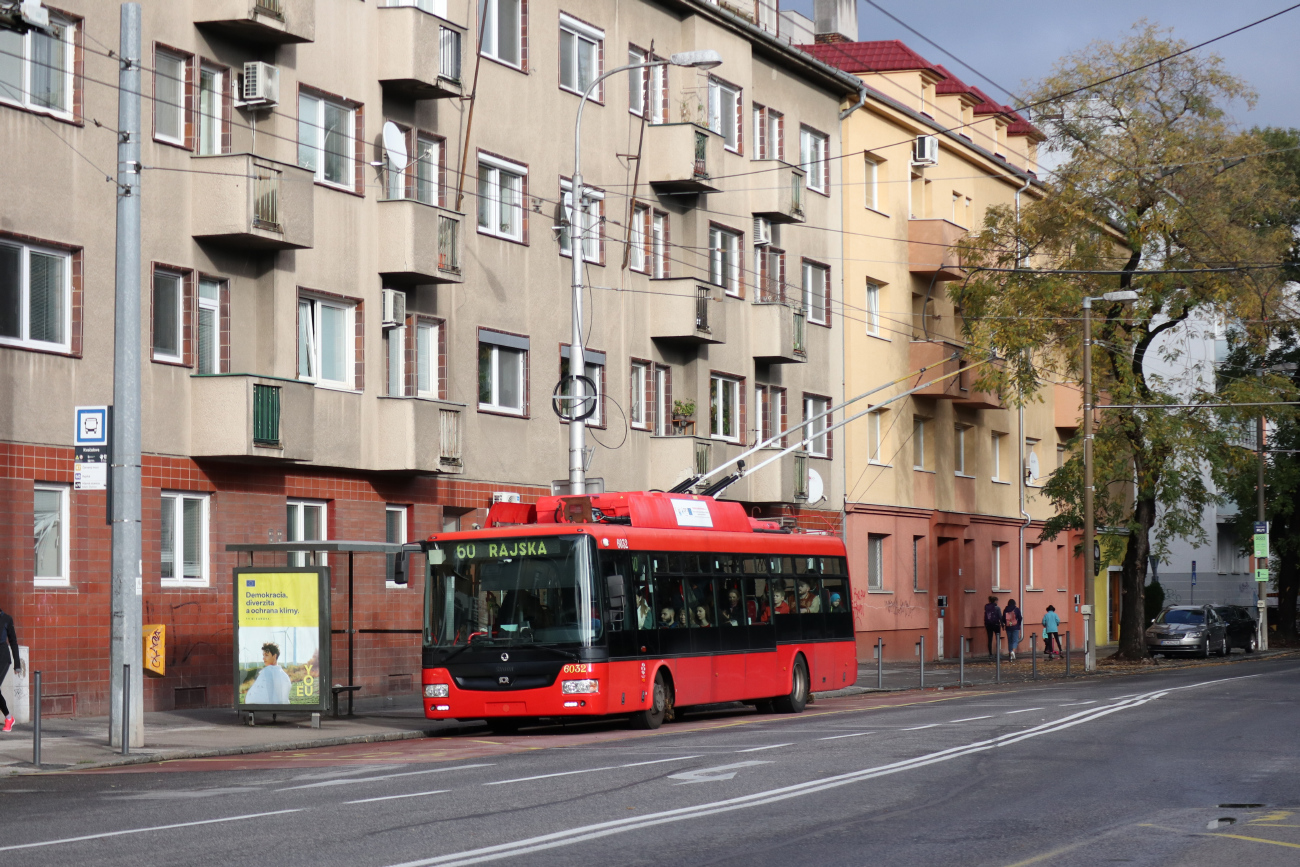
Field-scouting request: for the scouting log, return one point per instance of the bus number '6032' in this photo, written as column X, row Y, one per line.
column 579, row 668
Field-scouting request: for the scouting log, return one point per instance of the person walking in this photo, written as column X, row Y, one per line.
column 8, row 655
column 992, row 621
column 1051, row 632
column 1014, row 623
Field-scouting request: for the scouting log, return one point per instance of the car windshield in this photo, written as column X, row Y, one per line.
column 515, row 591
column 1182, row 617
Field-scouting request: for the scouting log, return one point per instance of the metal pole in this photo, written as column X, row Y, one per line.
column 921, row 653
column 36, row 723
column 880, row 663
column 1068, row 648
column 1261, row 515
column 1089, row 529
column 1033, row 653
column 351, row 634
column 997, row 658
column 127, row 577
column 961, row 660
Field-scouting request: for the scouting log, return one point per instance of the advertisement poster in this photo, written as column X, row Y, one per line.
column 282, row 639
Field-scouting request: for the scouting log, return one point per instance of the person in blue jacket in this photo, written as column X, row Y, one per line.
column 1051, row 632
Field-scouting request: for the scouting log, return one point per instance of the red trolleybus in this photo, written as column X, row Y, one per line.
column 631, row 604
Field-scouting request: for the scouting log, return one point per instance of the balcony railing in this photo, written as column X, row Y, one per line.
column 274, row 8
column 703, row 458
column 266, row 199
column 800, row 476
column 449, row 53
column 703, row 295
column 448, row 244
column 796, row 194
column 266, row 415
column 800, row 327
column 449, row 449
column 770, row 288
column 701, row 156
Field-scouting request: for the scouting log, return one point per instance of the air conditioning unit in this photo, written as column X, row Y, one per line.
column 504, row 497
column 926, row 151
column 261, row 84
column 762, row 232
column 393, row 304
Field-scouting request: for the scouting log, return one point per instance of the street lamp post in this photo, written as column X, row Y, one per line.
column 1261, row 603
column 1089, row 520
column 706, row 59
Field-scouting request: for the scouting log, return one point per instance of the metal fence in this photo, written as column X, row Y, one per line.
column 266, row 199
column 703, row 458
column 800, row 333
column 449, row 54
column 448, row 244
column 702, row 298
column 701, row 154
column 266, row 415
column 449, row 441
column 269, row 7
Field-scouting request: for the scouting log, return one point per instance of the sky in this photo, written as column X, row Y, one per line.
column 1018, row 41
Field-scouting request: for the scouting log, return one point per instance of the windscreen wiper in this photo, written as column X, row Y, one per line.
column 566, row 654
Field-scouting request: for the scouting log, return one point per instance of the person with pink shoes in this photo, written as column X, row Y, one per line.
column 8, row 646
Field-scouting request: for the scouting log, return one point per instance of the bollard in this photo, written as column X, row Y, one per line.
column 997, row 658
column 1067, row 652
column 36, row 721
column 961, row 661
column 920, row 645
column 1033, row 653
column 880, row 663
column 126, row 708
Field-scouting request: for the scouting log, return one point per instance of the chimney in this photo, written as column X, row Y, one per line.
column 836, row 20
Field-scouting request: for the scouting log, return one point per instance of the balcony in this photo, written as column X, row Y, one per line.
column 923, row 354
column 777, row 334
column 686, row 312
column 932, row 249
column 971, row 397
column 252, row 203
column 276, row 22
column 419, row 54
column 419, row 243
column 238, row 415
column 783, row 481
column 417, row 435
column 1067, row 407
column 681, row 158
column 783, row 201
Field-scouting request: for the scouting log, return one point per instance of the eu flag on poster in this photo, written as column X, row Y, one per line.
column 251, row 582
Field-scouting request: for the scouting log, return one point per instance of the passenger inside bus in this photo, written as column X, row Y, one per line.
column 702, row 616
column 645, row 616
column 732, row 613
column 809, row 601
column 682, row 621
column 837, row 604
column 668, row 618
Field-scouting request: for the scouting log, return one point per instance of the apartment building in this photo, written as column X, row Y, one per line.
column 353, row 335
column 943, row 503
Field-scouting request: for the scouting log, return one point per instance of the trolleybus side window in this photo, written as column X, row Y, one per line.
column 785, row 609
column 835, row 602
column 731, row 600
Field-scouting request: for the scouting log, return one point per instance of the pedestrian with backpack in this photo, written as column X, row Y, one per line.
column 992, row 621
column 8, row 656
column 1015, row 623
column 1051, row 631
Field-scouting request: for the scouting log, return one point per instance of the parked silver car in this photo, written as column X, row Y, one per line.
column 1188, row 629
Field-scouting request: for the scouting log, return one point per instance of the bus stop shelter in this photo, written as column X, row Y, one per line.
column 333, row 546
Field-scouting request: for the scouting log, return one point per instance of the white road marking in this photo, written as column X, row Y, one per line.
column 854, row 735
column 709, row 775
column 972, row 718
column 918, row 728
column 586, row 771
column 394, row 797
column 1022, row 710
column 349, row 782
column 1078, row 703
column 657, row 761
column 768, row 747
column 143, row 830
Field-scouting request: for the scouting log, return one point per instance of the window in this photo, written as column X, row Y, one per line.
column 35, row 296
column 1030, row 552
column 638, row 237
column 639, row 385
column 395, row 533
column 817, row 292
column 395, row 361
column 916, row 561
column 875, row 436
column 872, row 183
column 36, row 68
column 501, row 198
column 663, row 401
column 591, row 229
column 1060, row 456
column 820, row 444
column 875, row 561
column 769, row 134
column 50, row 535
column 724, row 408
column 997, row 564
column 211, row 95
column 427, row 165
column 428, row 343
column 501, row 372
column 772, row 413
column 814, row 150
column 724, row 259
column 647, row 88
column 724, row 112
column 305, row 522
column 918, row 443
column 168, row 309
column 998, row 440
column 325, row 134
column 169, row 91
column 503, row 31
column 659, row 245
column 325, row 342
column 594, row 369
column 873, row 309
column 580, row 53
column 184, row 540
column 207, row 357
column 959, row 449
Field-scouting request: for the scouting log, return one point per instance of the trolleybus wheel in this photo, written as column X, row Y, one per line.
column 653, row 716
column 504, row 725
column 798, row 697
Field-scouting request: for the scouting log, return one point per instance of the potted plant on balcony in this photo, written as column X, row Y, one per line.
column 683, row 413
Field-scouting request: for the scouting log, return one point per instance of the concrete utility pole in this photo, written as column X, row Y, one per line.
column 128, row 566
column 1262, row 517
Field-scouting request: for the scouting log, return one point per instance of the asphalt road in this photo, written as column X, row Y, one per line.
column 1135, row 770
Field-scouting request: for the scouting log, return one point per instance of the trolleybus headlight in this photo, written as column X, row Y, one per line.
column 435, row 690
column 573, row 687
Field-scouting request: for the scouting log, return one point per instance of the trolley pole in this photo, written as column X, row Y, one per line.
column 127, row 575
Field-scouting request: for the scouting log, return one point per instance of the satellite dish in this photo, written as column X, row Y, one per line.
column 395, row 147
column 816, row 489
column 1032, row 465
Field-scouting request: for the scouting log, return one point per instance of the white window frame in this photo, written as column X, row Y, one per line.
column 916, row 563
column 175, row 501
column 819, row 445
column 24, row 339
column 876, row 561
column 213, row 306
column 872, row 191
column 428, row 357
column 311, row 138
column 637, row 81
column 313, row 305
column 24, row 46
column 428, row 156
column 638, row 412
column 663, row 402
column 637, row 239
column 872, row 319
column 64, row 578
column 726, row 100
column 875, row 436
column 495, row 360
column 918, row 440
column 582, row 35
column 210, row 120
column 179, row 282
column 725, row 242
column 996, row 565
column 959, row 450
column 594, row 369
column 161, row 78
column 490, row 11
column 814, row 151
column 719, row 384
column 404, row 532
column 658, row 244
column 590, row 215
column 294, row 531
column 1030, row 551
column 997, row 456
column 816, row 291
column 395, row 361
column 494, row 171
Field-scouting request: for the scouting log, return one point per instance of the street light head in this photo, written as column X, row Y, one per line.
column 705, row 59
column 1127, row 295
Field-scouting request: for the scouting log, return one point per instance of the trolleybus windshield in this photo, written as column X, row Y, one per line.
column 506, row 592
